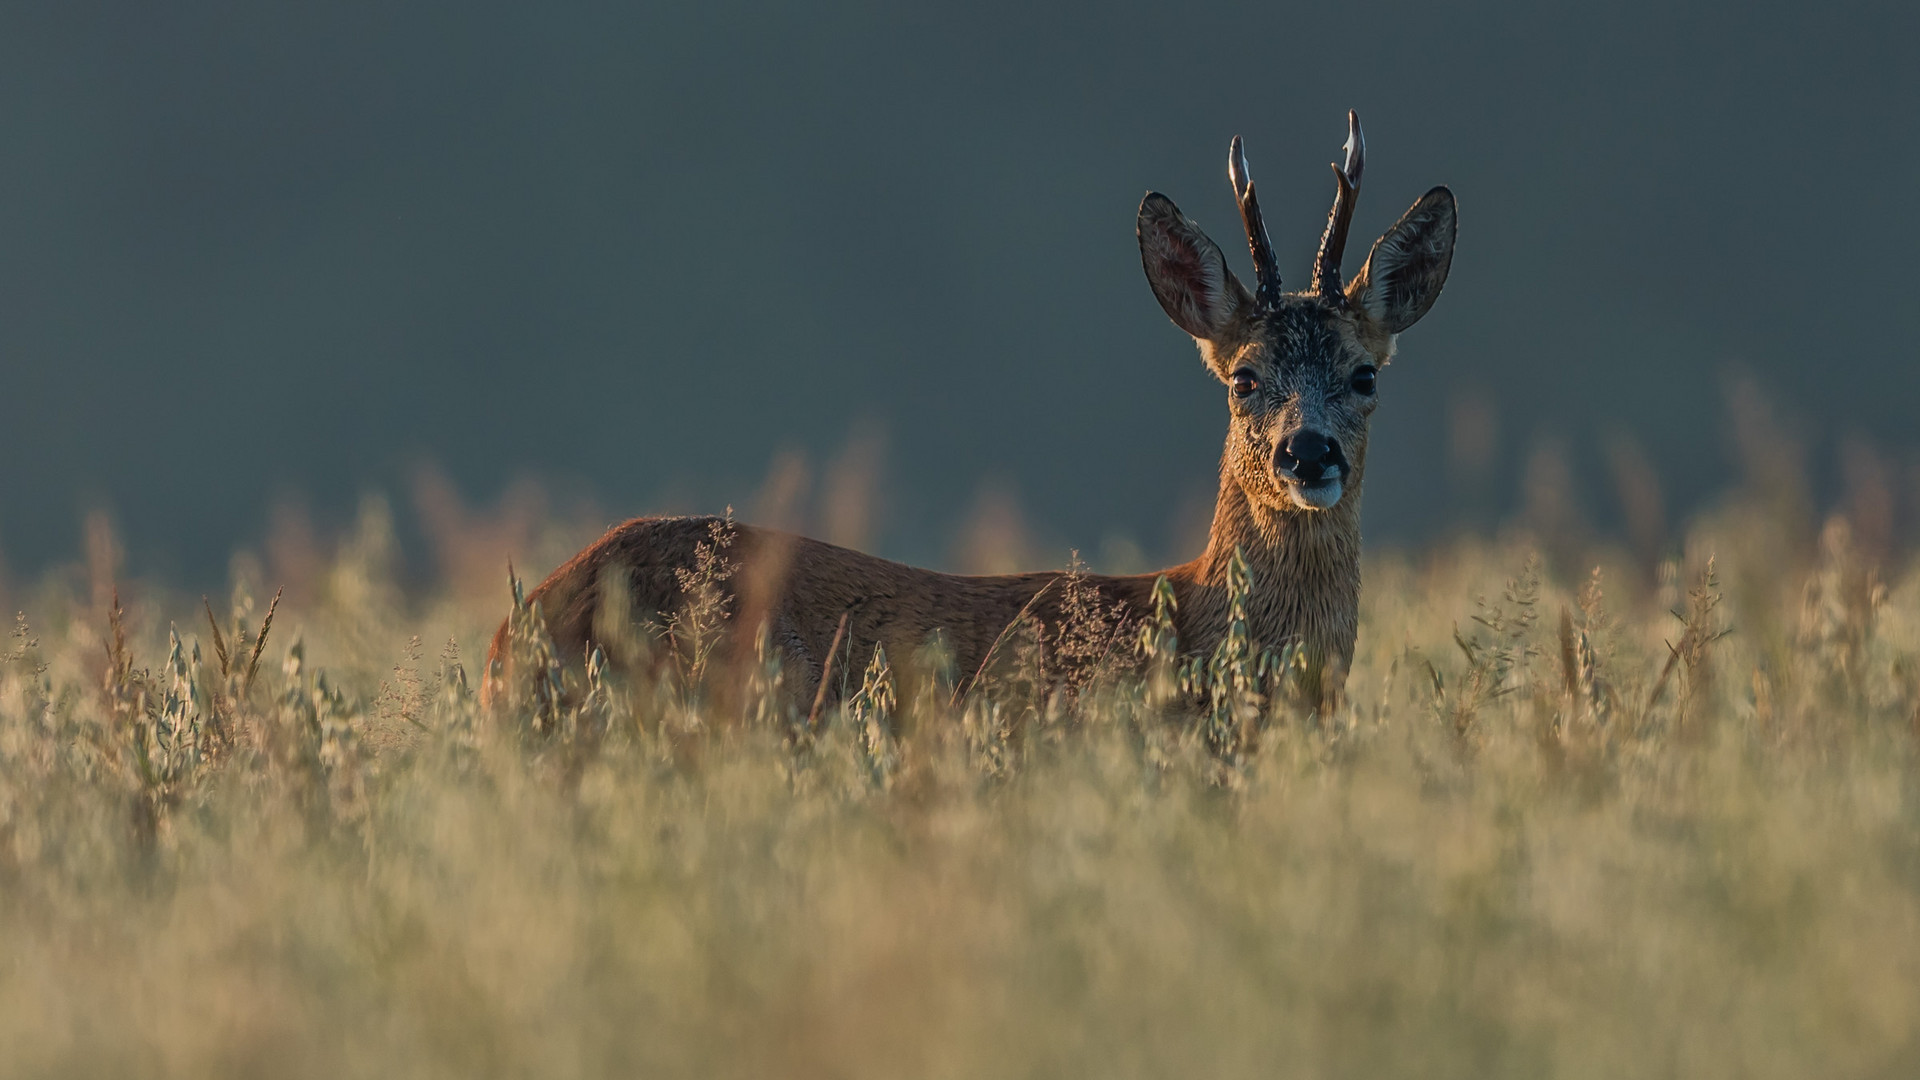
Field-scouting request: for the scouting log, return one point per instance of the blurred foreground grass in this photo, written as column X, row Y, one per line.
column 1556, row 830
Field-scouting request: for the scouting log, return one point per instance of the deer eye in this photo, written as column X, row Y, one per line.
column 1362, row 381
column 1244, row 383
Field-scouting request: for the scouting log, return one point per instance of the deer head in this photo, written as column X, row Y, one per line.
column 1301, row 368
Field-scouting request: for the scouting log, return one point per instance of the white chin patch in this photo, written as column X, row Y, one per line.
column 1320, row 496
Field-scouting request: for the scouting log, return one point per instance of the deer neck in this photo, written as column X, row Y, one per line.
column 1305, row 567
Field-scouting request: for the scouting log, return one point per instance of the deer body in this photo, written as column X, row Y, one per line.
column 1306, row 588
column 1301, row 370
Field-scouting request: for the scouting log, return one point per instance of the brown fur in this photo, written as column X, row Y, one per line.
column 1303, row 352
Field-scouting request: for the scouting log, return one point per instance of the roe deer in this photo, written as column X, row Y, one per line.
column 1300, row 370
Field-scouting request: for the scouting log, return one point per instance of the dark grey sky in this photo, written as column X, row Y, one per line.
column 247, row 249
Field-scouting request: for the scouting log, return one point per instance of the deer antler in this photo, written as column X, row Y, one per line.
column 1333, row 245
column 1266, row 269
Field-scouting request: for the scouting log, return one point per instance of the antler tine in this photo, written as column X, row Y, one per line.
column 1266, row 268
column 1333, row 244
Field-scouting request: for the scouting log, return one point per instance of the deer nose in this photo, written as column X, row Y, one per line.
column 1308, row 456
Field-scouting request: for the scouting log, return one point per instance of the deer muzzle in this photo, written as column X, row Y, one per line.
column 1312, row 467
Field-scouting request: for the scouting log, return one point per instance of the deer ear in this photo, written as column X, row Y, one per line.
column 1409, row 264
column 1188, row 274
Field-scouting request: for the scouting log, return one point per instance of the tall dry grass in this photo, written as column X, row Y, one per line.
column 1566, row 823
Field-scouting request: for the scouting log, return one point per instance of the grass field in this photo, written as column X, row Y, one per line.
column 1647, row 822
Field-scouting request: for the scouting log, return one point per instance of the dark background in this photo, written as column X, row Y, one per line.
column 252, row 253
